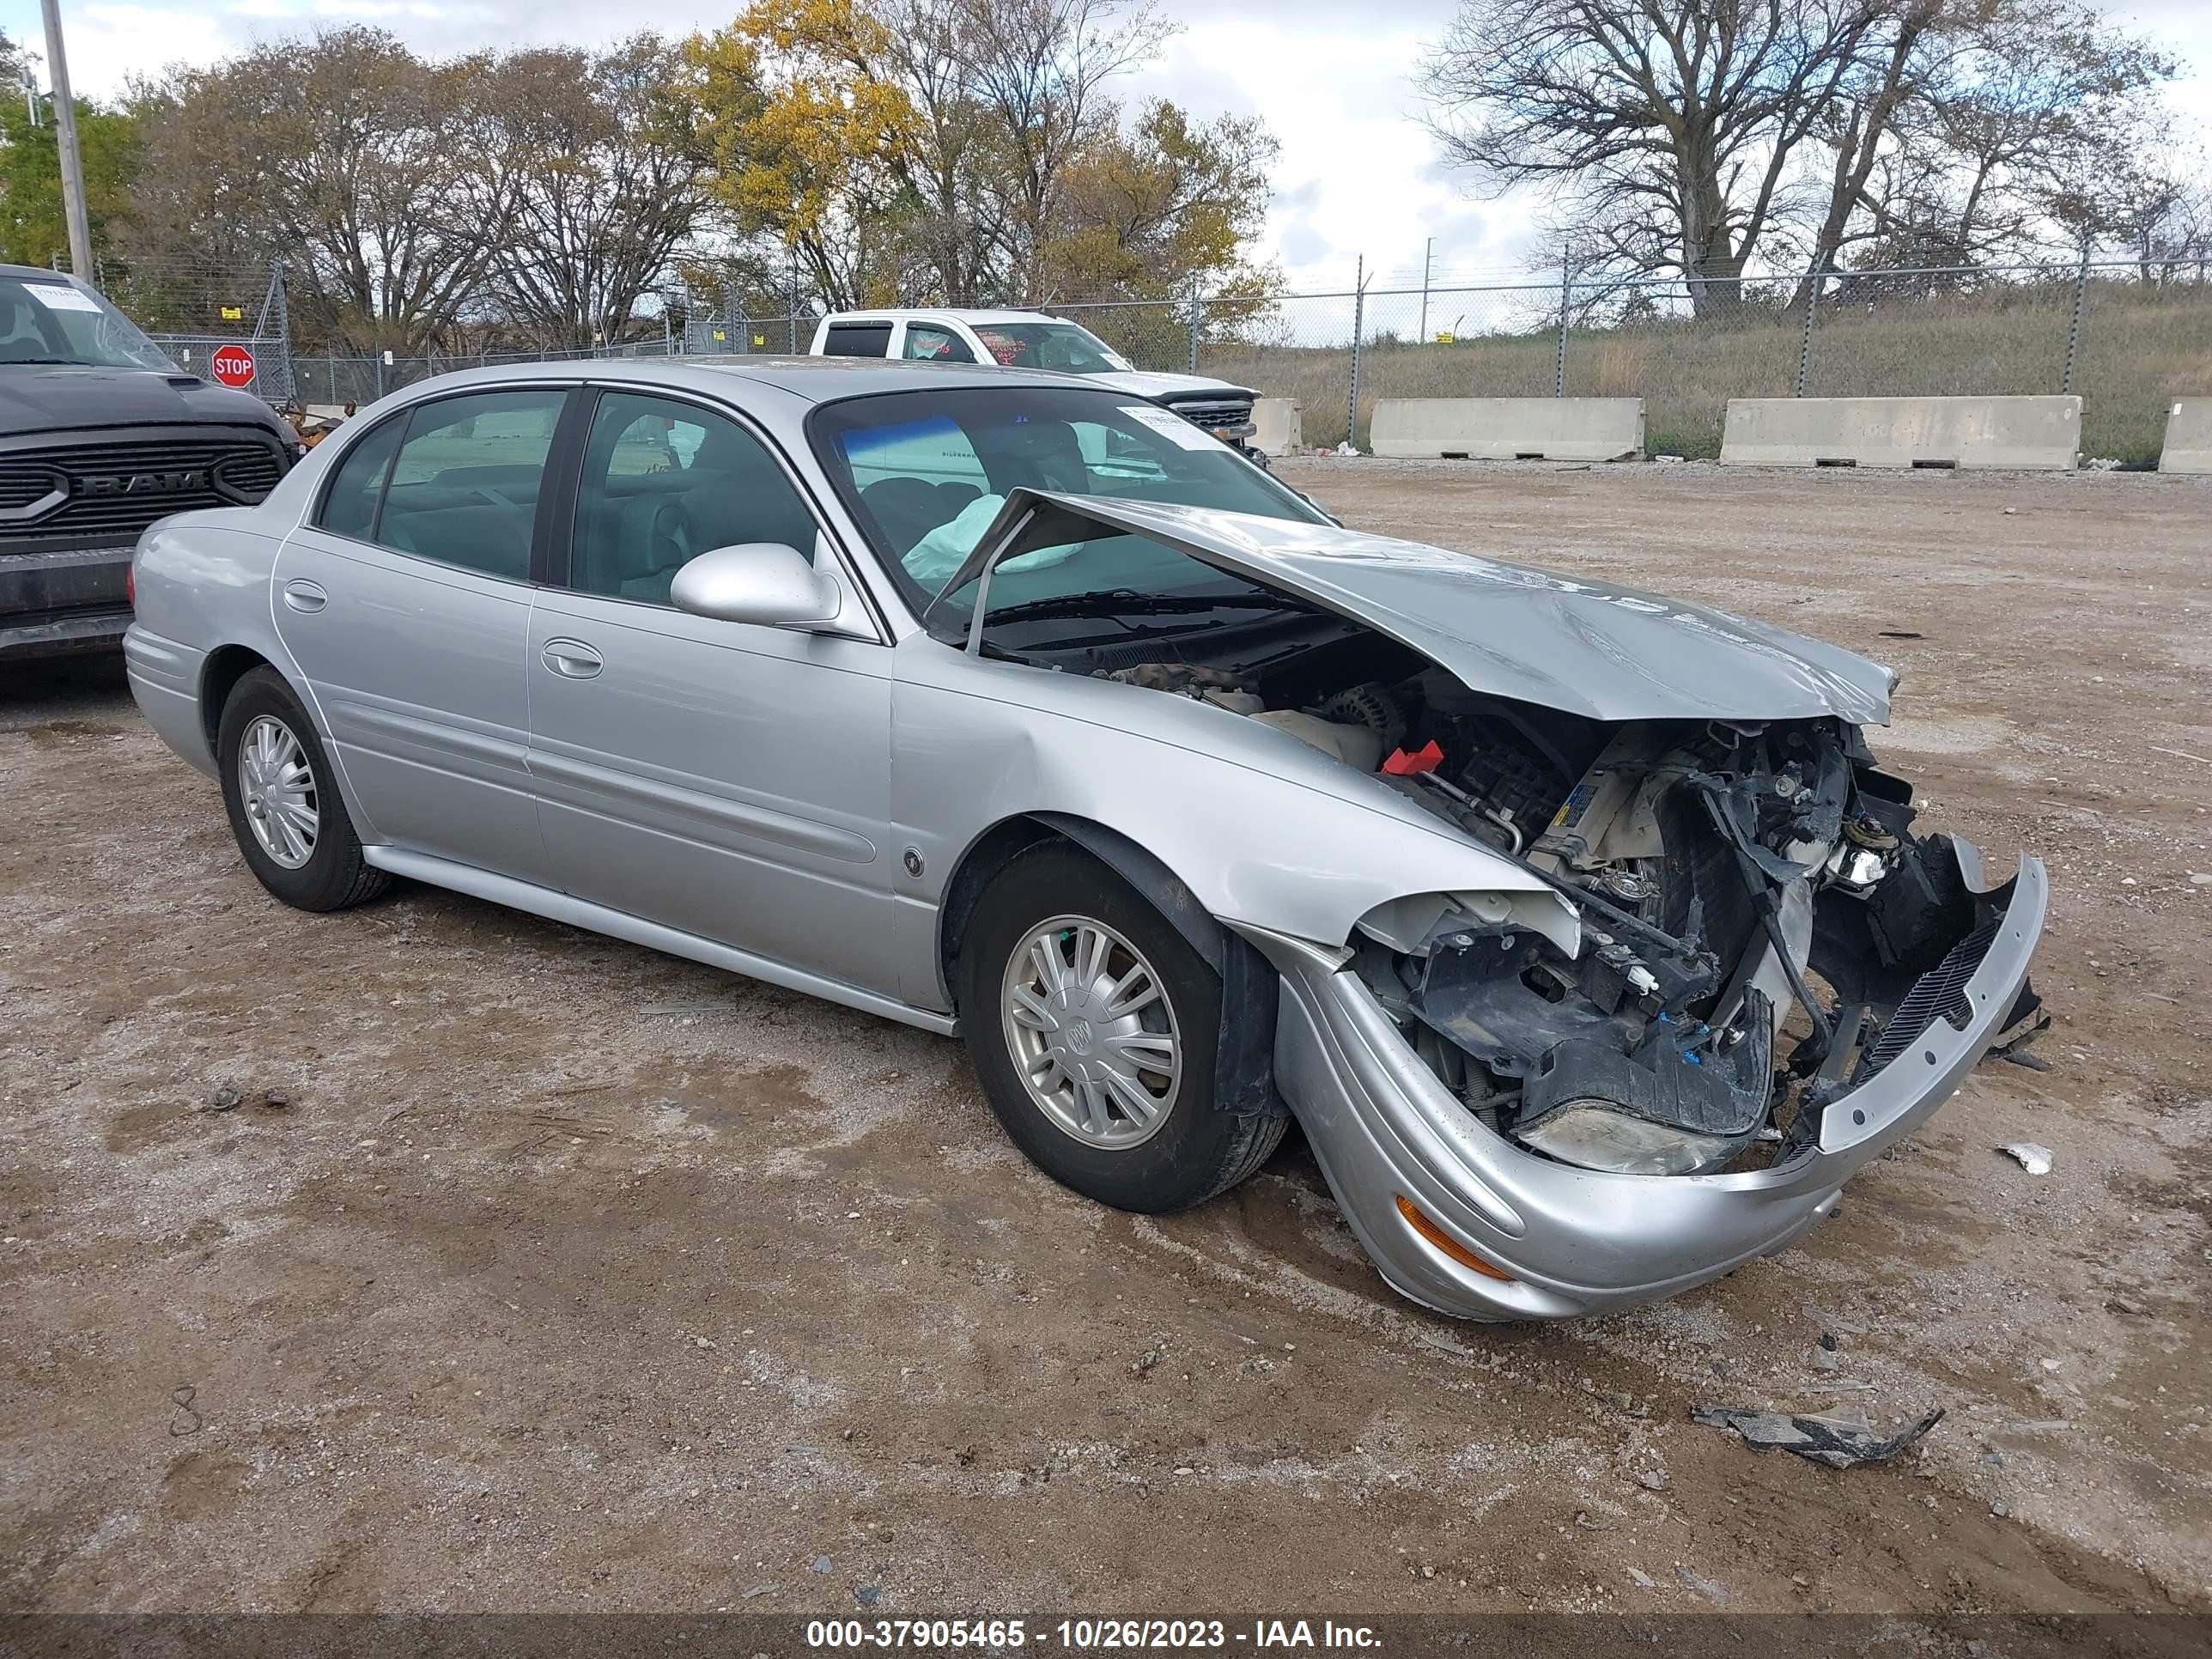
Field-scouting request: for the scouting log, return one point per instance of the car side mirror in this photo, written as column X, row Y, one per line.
column 769, row 583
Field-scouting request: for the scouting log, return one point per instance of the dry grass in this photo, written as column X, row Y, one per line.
column 2140, row 349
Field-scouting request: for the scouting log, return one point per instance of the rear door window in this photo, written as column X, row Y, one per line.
column 926, row 342
column 857, row 340
column 465, row 482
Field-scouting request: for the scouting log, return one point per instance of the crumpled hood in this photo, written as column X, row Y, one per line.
column 1586, row 647
column 1167, row 386
column 40, row 397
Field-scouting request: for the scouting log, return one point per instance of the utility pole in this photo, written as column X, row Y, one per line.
column 80, row 231
column 1566, row 303
column 1428, row 257
column 1358, row 327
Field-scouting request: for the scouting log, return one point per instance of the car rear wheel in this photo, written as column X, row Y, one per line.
column 1093, row 1026
column 284, row 809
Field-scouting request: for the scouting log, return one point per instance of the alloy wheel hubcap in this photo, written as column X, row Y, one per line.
column 1091, row 1032
column 278, row 788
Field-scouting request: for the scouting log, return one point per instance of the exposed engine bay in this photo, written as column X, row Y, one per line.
column 1740, row 925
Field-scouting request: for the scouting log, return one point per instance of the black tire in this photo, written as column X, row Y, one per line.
column 1198, row 1151
column 334, row 875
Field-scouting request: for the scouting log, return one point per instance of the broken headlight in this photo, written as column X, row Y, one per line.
column 1596, row 1134
column 1686, row 1099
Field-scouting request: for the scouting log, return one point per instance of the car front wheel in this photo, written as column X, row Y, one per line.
column 284, row 809
column 1093, row 1026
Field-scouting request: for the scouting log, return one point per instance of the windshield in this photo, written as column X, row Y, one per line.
column 1061, row 347
column 925, row 473
column 58, row 322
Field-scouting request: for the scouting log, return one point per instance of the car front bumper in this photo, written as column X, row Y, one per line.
column 52, row 603
column 1569, row 1241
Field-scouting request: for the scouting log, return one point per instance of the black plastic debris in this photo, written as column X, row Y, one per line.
column 2017, row 1050
column 1841, row 1442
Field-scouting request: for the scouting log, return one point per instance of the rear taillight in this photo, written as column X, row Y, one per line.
column 130, row 582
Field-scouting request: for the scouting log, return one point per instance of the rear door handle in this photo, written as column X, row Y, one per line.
column 303, row 595
column 572, row 658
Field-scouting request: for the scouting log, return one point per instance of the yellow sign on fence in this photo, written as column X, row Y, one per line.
column 234, row 314
column 1443, row 337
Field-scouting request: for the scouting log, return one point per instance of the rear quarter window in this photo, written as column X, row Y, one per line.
column 349, row 505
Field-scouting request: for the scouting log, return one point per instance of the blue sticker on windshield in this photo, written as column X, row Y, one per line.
column 933, row 432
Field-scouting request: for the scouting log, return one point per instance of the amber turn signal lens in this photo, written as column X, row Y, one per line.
column 1445, row 1243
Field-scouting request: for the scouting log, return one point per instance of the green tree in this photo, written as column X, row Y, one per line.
column 32, row 229
column 1161, row 207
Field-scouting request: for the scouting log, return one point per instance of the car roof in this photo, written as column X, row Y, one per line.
column 39, row 272
column 811, row 379
column 959, row 312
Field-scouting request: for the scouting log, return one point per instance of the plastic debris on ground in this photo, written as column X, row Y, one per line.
column 2033, row 1158
column 1841, row 1442
column 2016, row 1048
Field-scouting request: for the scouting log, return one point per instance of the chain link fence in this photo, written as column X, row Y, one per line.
column 192, row 312
column 2130, row 338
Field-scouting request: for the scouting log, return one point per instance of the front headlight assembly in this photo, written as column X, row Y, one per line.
column 1596, row 1134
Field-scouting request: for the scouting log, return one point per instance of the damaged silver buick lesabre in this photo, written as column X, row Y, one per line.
column 1578, row 930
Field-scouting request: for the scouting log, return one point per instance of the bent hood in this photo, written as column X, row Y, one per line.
column 1586, row 647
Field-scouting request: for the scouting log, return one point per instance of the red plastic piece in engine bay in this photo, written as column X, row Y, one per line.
column 1426, row 758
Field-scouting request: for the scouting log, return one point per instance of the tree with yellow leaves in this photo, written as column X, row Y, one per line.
column 967, row 151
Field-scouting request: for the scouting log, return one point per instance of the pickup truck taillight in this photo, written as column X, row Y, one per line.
column 130, row 582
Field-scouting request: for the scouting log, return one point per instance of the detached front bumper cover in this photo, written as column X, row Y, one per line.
column 1571, row 1241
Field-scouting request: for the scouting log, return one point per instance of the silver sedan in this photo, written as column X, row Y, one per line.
column 1579, row 930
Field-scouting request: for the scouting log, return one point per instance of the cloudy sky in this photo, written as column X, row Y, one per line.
column 1332, row 77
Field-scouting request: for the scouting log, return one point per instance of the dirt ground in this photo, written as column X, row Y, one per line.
column 568, row 1276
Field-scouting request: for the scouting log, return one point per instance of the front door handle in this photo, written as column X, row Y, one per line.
column 303, row 595
column 572, row 658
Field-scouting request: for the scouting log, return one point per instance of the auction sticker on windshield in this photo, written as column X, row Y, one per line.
column 1176, row 429
column 60, row 296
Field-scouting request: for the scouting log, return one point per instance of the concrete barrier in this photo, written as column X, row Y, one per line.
column 1282, row 424
column 1510, row 429
column 2188, row 437
column 2038, row 433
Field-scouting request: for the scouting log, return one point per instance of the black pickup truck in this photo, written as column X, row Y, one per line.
column 100, row 435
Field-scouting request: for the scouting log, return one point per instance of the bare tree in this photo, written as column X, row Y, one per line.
column 1665, row 128
column 2044, row 115
column 1038, row 69
column 342, row 153
column 603, row 179
column 1860, row 127
column 953, row 217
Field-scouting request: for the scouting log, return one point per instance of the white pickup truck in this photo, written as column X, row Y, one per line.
column 1030, row 339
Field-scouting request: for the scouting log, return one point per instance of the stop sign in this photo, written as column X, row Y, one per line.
column 232, row 364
